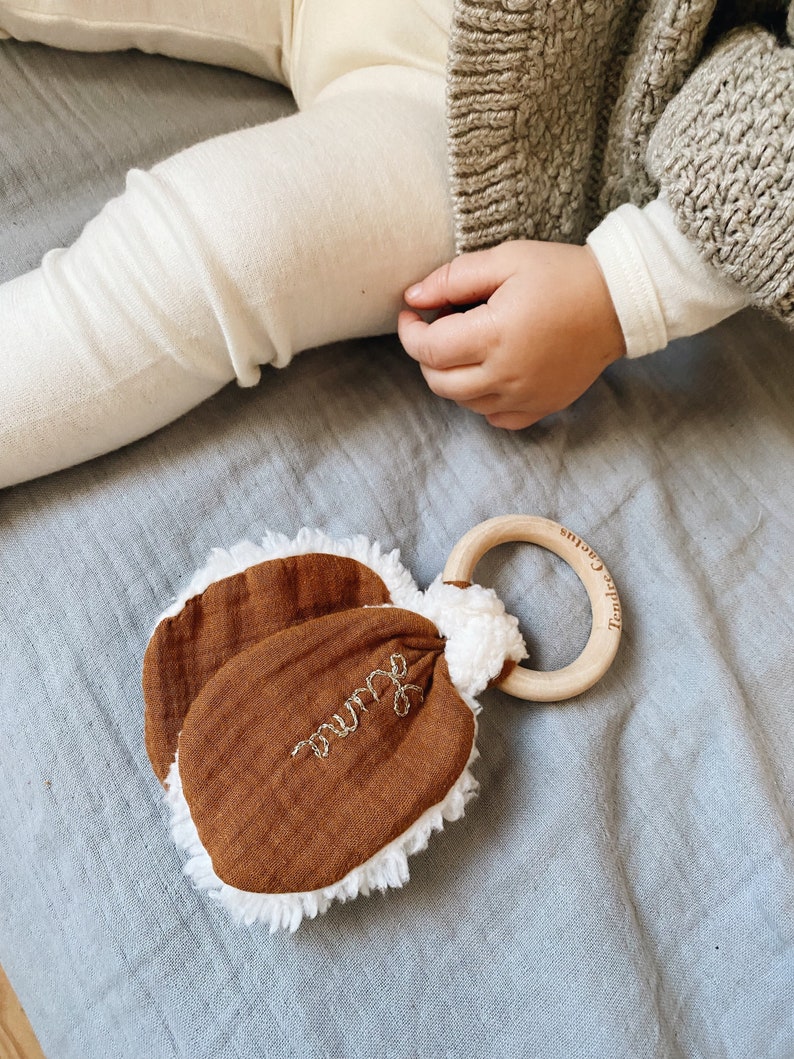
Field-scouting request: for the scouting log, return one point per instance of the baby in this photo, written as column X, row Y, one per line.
column 611, row 176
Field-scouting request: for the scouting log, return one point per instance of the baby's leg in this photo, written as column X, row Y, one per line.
column 238, row 252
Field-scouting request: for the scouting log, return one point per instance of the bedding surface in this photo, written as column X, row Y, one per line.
column 623, row 886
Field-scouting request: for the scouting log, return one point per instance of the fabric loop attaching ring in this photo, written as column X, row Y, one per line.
column 602, row 645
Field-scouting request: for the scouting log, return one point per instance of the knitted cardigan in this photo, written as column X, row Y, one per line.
column 561, row 110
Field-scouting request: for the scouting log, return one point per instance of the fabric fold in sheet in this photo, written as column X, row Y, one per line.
column 624, row 885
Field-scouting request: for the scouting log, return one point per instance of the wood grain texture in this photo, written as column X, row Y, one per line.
column 17, row 1040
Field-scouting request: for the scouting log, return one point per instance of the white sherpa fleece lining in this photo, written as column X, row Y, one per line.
column 480, row 637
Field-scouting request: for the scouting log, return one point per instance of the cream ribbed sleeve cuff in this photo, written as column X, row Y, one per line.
column 661, row 287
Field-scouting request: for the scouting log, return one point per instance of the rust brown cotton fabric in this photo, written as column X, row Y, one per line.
column 276, row 819
column 231, row 615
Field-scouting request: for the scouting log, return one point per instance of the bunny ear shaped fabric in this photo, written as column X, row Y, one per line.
column 312, row 715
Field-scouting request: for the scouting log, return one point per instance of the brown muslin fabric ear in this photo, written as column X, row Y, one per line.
column 230, row 616
column 317, row 746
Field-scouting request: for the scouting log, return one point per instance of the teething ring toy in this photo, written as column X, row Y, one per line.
column 599, row 652
column 312, row 713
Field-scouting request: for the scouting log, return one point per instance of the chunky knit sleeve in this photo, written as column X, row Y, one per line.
column 723, row 155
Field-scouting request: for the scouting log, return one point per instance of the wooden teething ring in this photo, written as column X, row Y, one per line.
column 602, row 645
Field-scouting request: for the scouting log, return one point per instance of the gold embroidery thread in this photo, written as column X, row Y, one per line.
column 319, row 743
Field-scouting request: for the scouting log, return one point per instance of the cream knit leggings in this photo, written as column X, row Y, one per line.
column 242, row 250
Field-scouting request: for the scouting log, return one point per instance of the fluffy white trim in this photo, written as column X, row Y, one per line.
column 239, row 557
column 386, row 868
column 480, row 638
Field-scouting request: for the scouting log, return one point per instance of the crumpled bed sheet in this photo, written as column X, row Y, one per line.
column 623, row 885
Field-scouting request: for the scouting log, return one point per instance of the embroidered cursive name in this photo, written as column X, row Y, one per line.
column 339, row 727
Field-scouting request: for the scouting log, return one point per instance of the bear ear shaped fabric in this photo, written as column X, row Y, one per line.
column 316, row 748
column 231, row 615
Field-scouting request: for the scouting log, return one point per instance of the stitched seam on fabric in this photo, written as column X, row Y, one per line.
column 75, row 20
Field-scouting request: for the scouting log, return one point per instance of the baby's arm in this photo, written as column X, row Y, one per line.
column 555, row 319
column 722, row 154
column 718, row 238
column 661, row 287
column 544, row 330
column 551, row 317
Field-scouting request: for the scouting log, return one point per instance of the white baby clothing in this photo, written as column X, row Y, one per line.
column 660, row 286
column 242, row 250
column 253, row 246
column 303, row 44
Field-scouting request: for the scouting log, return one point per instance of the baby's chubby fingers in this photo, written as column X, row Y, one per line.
column 464, row 385
column 465, row 279
column 451, row 341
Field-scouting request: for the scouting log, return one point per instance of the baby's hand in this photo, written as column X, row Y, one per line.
column 545, row 330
